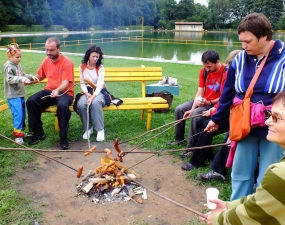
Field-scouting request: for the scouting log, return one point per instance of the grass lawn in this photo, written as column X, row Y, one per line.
column 13, row 208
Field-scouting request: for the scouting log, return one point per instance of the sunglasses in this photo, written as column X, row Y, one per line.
column 274, row 117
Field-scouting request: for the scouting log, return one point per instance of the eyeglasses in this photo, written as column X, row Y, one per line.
column 274, row 117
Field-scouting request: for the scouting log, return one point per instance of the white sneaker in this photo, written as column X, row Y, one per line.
column 19, row 141
column 90, row 131
column 100, row 135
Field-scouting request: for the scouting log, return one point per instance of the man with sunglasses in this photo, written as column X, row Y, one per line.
column 255, row 34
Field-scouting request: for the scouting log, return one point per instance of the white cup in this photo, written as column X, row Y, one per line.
column 212, row 193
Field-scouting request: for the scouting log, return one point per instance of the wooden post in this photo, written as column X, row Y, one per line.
column 30, row 46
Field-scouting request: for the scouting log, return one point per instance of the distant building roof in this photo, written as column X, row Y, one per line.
column 188, row 23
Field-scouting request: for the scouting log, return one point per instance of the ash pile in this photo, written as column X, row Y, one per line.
column 111, row 182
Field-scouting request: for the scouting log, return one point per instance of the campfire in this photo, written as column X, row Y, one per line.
column 111, row 182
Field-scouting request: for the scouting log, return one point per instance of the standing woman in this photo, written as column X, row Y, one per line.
column 91, row 68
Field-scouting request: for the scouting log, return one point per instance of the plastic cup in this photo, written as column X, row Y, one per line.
column 212, row 193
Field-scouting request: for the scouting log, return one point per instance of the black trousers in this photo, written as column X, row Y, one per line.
column 219, row 162
column 200, row 156
column 35, row 105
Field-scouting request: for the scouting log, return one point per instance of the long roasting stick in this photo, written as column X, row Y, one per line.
column 173, row 122
column 26, row 148
column 168, row 199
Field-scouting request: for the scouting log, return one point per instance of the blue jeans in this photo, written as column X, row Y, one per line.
column 245, row 162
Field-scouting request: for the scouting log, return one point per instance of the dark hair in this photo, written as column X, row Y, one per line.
column 54, row 39
column 258, row 24
column 279, row 98
column 93, row 48
column 210, row 56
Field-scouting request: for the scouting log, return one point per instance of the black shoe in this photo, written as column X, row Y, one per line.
column 186, row 154
column 64, row 144
column 176, row 142
column 212, row 175
column 36, row 137
column 188, row 166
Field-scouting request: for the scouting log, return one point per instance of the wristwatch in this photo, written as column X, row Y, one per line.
column 211, row 103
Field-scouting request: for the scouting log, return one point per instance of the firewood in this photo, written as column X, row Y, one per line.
column 98, row 180
column 87, row 188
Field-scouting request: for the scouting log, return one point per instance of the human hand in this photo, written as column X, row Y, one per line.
column 220, row 207
column 27, row 81
column 187, row 113
column 54, row 93
column 206, row 113
column 88, row 95
column 35, row 78
column 90, row 99
column 211, row 127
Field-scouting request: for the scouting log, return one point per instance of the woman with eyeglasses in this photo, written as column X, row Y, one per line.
column 255, row 34
column 267, row 205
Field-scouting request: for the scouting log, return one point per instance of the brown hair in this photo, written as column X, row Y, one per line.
column 279, row 98
column 53, row 39
column 231, row 56
column 258, row 24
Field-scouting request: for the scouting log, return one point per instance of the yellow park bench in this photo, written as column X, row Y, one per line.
column 3, row 106
column 128, row 74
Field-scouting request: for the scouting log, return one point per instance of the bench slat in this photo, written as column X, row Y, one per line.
column 127, row 74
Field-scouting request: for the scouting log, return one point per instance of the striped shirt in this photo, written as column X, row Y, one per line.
column 266, row 206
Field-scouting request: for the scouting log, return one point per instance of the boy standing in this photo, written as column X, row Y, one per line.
column 14, row 86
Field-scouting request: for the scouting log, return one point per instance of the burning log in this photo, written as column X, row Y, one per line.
column 87, row 188
column 111, row 181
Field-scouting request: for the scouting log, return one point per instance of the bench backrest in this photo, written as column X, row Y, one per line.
column 123, row 74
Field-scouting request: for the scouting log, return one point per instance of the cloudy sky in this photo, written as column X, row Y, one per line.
column 203, row 2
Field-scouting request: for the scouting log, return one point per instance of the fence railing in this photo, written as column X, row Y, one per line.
column 139, row 39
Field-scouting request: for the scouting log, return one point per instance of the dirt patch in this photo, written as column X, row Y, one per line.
column 53, row 188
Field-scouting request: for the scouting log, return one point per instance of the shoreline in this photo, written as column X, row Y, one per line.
column 118, row 57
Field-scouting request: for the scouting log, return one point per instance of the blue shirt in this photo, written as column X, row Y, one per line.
column 241, row 71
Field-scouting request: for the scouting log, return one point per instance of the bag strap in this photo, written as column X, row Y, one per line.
column 249, row 91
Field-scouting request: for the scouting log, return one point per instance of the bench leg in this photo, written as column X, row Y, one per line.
column 56, row 126
column 142, row 115
column 149, row 111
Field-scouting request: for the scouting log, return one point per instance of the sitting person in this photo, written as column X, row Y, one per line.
column 92, row 69
column 59, row 70
column 266, row 205
column 208, row 94
column 199, row 157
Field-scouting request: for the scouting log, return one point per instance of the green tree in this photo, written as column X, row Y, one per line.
column 218, row 14
column 169, row 10
column 72, row 15
column 184, row 9
column 4, row 15
column 28, row 17
column 107, row 13
column 46, row 16
column 273, row 9
column 88, row 13
column 13, row 11
column 281, row 23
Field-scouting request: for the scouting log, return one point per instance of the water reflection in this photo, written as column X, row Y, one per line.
column 174, row 46
column 188, row 35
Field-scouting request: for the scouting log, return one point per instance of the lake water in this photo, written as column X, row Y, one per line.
column 164, row 45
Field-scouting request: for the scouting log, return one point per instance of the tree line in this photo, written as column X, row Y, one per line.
column 82, row 14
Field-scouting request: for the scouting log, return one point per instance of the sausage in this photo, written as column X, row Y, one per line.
column 93, row 149
column 108, row 165
column 79, row 173
column 108, row 151
column 116, row 145
column 86, row 153
column 121, row 154
column 89, row 82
